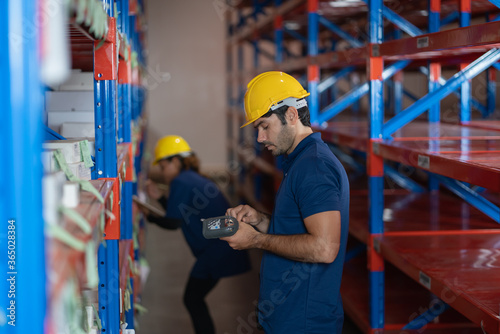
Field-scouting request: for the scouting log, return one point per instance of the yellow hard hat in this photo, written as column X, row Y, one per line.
column 169, row 146
column 266, row 90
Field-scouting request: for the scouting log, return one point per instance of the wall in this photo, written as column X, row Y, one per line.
column 186, row 38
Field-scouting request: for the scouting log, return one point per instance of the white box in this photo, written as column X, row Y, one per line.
column 56, row 118
column 69, row 101
column 91, row 144
column 77, row 129
column 70, row 149
column 49, row 162
column 78, row 81
column 52, row 190
column 80, row 171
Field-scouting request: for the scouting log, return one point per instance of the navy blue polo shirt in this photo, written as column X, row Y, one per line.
column 193, row 197
column 298, row 297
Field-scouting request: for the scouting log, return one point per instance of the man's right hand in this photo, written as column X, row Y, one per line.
column 247, row 214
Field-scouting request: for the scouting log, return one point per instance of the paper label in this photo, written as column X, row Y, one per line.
column 424, row 161
column 424, row 280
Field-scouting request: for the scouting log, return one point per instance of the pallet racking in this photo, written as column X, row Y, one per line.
column 451, row 253
column 106, row 37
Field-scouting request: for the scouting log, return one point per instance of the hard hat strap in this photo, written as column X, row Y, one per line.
column 291, row 102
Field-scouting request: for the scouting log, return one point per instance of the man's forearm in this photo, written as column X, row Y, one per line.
column 298, row 247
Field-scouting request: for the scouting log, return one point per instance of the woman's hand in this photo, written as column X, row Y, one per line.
column 153, row 190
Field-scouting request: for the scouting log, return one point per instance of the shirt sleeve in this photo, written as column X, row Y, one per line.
column 317, row 188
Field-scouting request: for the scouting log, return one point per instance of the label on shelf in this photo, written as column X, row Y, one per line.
column 376, row 50
column 424, row 280
column 422, row 42
column 424, row 161
column 376, row 148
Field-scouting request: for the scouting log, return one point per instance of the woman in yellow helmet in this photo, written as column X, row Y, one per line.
column 191, row 198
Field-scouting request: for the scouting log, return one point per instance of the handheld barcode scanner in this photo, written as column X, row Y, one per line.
column 219, row 227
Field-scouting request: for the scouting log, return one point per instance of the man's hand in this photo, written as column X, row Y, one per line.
column 247, row 214
column 245, row 238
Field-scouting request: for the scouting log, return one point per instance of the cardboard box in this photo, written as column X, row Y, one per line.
column 70, row 149
column 69, row 101
column 56, row 118
column 77, row 129
column 80, row 171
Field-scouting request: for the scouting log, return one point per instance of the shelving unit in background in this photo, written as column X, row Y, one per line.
column 93, row 246
column 330, row 46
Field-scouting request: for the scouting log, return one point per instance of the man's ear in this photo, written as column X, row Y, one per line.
column 292, row 115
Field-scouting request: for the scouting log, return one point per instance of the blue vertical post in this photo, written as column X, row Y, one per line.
column 375, row 167
column 465, row 91
column 398, row 84
column 491, row 86
column 434, row 76
column 434, row 68
column 278, row 35
column 23, row 300
column 105, row 114
column 312, row 69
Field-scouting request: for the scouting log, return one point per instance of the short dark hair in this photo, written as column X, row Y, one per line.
column 303, row 112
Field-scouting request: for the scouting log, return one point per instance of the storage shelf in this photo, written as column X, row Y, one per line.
column 427, row 214
column 476, row 38
column 487, row 125
column 473, row 161
column 66, row 261
column 125, row 248
column 404, row 299
column 463, row 153
column 462, row 268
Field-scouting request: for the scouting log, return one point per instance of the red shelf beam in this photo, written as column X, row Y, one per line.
column 412, row 213
column 404, row 300
column 485, row 35
column 462, row 270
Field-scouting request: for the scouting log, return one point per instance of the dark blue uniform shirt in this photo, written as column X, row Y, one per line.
column 298, row 297
column 193, row 197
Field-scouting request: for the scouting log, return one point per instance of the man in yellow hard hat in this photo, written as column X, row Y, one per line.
column 304, row 239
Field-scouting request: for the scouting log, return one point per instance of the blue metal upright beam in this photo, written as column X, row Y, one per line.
column 491, row 92
column 105, row 116
column 410, row 113
column 399, row 21
column 345, row 101
column 23, row 301
column 278, row 34
column 465, row 90
column 375, row 167
column 313, row 70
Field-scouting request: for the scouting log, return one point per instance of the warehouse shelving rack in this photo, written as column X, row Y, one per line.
column 452, row 155
column 113, row 50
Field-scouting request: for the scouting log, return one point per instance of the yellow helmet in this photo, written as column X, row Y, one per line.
column 169, row 146
column 266, row 90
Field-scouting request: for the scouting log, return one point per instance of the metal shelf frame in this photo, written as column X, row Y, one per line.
column 119, row 103
column 385, row 55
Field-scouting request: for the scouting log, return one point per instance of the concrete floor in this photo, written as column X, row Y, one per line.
column 231, row 302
